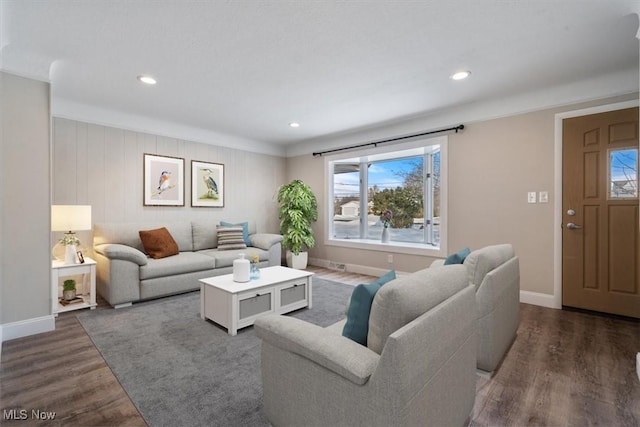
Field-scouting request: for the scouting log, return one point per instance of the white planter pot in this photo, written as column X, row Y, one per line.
column 299, row 262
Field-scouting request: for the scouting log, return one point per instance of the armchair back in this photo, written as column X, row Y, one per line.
column 406, row 298
column 495, row 272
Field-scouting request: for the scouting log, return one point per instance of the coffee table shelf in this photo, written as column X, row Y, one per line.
column 237, row 305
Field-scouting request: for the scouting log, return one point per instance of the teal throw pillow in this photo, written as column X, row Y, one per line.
column 245, row 230
column 458, row 257
column 357, row 326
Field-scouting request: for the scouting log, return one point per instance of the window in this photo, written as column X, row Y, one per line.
column 407, row 181
column 623, row 173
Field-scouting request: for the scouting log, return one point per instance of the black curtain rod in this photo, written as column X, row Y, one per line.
column 375, row 144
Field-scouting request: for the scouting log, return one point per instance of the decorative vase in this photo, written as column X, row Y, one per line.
column 70, row 254
column 255, row 271
column 385, row 235
column 69, row 295
column 241, row 269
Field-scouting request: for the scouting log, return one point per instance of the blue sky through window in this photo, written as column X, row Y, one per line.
column 623, row 173
column 388, row 174
column 624, row 165
column 384, row 174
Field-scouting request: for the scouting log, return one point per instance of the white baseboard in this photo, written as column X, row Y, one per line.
column 527, row 297
column 353, row 268
column 27, row 327
column 318, row 262
column 537, row 298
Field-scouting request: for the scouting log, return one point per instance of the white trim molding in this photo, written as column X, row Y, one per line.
column 24, row 328
column 537, row 298
column 351, row 268
column 557, row 208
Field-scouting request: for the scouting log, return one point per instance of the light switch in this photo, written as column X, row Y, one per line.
column 543, row 197
column 531, row 197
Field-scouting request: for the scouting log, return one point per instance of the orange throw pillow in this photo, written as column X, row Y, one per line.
column 158, row 243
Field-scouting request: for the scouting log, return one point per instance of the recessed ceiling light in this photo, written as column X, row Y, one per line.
column 147, row 79
column 294, row 124
column 461, row 75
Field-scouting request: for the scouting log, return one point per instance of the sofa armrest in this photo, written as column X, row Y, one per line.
column 437, row 263
column 265, row 240
column 333, row 352
column 123, row 252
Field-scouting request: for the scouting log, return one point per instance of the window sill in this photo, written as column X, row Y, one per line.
column 396, row 247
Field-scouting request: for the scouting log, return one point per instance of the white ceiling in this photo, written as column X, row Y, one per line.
column 240, row 71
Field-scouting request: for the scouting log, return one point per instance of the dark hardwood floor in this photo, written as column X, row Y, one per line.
column 564, row 369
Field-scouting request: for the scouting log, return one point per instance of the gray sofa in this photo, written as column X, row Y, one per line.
column 125, row 274
column 418, row 368
column 494, row 271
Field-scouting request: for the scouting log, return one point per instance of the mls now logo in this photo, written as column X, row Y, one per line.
column 15, row 414
column 23, row 414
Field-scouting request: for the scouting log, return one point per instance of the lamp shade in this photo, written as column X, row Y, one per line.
column 70, row 217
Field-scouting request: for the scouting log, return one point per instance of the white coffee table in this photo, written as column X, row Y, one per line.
column 237, row 305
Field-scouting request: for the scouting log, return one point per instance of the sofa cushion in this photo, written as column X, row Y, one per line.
column 357, row 325
column 482, row 261
column 158, row 243
column 458, row 257
column 408, row 297
column 184, row 262
column 205, row 235
column 230, row 238
column 225, row 258
column 245, row 230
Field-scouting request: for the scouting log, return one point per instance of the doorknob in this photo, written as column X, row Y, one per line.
column 572, row 226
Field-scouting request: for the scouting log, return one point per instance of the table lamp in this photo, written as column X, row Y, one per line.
column 70, row 218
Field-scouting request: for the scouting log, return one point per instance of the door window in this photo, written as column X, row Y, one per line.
column 623, row 173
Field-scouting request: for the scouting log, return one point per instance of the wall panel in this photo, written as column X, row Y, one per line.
column 110, row 176
column 65, row 156
column 115, row 175
column 82, row 163
column 25, row 218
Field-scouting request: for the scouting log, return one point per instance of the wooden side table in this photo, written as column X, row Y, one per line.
column 60, row 269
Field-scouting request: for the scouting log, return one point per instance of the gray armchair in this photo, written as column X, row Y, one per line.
column 418, row 367
column 494, row 271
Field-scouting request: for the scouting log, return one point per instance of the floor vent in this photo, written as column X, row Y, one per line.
column 336, row 266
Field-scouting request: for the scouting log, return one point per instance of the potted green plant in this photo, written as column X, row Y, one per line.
column 69, row 289
column 298, row 210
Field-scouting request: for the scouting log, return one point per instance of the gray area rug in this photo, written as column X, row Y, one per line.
column 180, row 370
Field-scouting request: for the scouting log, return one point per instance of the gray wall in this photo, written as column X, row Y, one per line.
column 492, row 166
column 103, row 167
column 25, row 194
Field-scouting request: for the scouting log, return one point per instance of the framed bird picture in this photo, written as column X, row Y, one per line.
column 207, row 184
column 163, row 180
